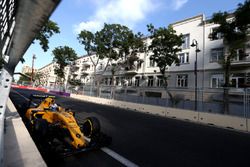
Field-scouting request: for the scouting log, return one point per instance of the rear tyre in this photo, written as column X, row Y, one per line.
column 91, row 127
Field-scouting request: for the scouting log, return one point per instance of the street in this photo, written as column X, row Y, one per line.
column 147, row 140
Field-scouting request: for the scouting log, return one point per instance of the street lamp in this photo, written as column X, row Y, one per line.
column 195, row 44
column 32, row 69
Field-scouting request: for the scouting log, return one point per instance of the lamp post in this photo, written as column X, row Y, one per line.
column 195, row 44
column 32, row 69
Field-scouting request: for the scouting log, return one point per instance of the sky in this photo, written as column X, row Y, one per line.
column 72, row 16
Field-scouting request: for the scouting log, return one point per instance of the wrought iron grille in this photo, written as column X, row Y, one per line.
column 7, row 22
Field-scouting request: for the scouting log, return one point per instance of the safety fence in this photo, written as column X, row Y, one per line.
column 208, row 100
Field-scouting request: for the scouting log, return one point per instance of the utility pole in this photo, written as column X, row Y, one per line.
column 32, row 68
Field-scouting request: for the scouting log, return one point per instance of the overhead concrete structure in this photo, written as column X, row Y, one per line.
column 29, row 18
column 20, row 21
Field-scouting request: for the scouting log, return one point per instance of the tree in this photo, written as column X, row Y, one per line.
column 48, row 30
column 164, row 47
column 63, row 56
column 118, row 43
column 131, row 47
column 75, row 82
column 24, row 78
column 37, row 78
column 89, row 40
column 115, row 42
column 234, row 28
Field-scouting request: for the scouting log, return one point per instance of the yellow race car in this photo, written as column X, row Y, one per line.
column 57, row 126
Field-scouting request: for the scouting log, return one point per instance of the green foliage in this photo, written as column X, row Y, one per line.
column 242, row 16
column 117, row 41
column 234, row 28
column 110, row 40
column 63, row 56
column 75, row 82
column 87, row 39
column 50, row 28
column 24, row 78
column 165, row 46
column 37, row 78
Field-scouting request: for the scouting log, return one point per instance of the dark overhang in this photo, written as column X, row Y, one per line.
column 29, row 18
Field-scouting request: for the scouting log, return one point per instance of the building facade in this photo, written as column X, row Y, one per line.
column 28, row 69
column 146, row 79
column 48, row 77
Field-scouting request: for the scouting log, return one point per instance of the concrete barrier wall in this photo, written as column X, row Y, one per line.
column 224, row 121
column 19, row 148
column 182, row 114
column 248, row 125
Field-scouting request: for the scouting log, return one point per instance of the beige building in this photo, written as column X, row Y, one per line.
column 146, row 78
column 28, row 69
column 48, row 77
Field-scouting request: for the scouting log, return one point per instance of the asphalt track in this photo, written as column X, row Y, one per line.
column 146, row 140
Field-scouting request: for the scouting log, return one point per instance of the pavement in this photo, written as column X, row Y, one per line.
column 19, row 148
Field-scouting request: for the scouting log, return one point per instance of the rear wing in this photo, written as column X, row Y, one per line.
column 37, row 96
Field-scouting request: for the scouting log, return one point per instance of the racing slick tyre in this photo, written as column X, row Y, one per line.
column 40, row 127
column 90, row 126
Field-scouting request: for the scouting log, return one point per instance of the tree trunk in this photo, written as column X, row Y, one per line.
column 226, row 86
column 226, row 100
column 112, row 87
column 167, row 91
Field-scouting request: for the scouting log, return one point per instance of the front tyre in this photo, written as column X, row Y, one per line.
column 90, row 127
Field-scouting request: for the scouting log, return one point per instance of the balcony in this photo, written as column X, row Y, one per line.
column 86, row 64
column 85, row 72
column 240, row 61
column 131, row 71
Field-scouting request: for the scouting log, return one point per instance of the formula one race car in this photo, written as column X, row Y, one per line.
column 57, row 126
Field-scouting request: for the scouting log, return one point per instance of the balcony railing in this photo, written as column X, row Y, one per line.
column 244, row 60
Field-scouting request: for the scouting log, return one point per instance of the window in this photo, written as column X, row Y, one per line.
column 160, row 81
column 182, row 81
column 152, row 63
column 217, row 81
column 106, row 81
column 238, row 80
column 117, row 80
column 216, row 55
column 110, row 81
column 240, row 55
column 216, row 36
column 150, row 81
column 186, row 41
column 129, row 79
column 184, row 58
column 137, row 81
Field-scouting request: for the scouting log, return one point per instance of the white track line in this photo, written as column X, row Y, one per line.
column 21, row 95
column 108, row 151
column 118, row 157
